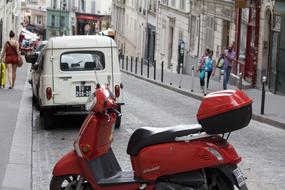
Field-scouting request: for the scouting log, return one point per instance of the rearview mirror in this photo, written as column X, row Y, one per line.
column 35, row 66
column 31, row 58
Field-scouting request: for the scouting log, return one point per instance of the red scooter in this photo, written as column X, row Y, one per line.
column 185, row 157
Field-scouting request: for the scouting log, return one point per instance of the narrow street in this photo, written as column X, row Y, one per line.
column 260, row 146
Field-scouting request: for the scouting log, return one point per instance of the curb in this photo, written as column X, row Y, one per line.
column 18, row 174
column 255, row 117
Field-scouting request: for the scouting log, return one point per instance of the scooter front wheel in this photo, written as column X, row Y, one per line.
column 69, row 182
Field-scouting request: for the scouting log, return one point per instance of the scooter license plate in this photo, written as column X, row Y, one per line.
column 82, row 91
column 239, row 177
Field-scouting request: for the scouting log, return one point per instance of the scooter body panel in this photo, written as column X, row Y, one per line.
column 68, row 164
column 166, row 159
column 96, row 135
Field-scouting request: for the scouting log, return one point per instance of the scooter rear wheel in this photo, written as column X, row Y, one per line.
column 217, row 181
column 67, row 182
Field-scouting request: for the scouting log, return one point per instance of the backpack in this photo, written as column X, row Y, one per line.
column 208, row 65
column 221, row 63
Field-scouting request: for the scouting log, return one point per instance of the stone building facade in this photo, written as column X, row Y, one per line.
column 256, row 28
column 10, row 19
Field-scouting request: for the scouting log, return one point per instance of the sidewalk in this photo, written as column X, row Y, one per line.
column 274, row 104
column 16, row 134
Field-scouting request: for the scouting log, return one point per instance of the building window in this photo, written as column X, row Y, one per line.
column 165, row 2
column 163, row 37
column 276, row 22
column 173, row 3
column 93, row 6
column 52, row 20
column 39, row 19
column 54, row 5
column 61, row 21
column 83, row 5
column 182, row 4
column 192, row 34
column 210, row 28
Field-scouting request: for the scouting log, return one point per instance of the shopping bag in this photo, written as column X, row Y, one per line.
column 202, row 74
column 20, row 61
column 2, row 74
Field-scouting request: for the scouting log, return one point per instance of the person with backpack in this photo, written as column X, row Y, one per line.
column 229, row 58
column 220, row 66
column 207, row 67
column 10, row 54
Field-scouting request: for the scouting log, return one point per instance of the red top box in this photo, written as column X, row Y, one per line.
column 224, row 111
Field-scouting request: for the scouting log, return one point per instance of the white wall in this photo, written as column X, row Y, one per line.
column 11, row 16
column 103, row 7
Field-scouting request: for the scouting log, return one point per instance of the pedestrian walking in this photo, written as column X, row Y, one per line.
column 202, row 60
column 220, row 66
column 229, row 57
column 207, row 67
column 10, row 55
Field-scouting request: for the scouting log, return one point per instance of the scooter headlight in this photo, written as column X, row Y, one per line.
column 91, row 102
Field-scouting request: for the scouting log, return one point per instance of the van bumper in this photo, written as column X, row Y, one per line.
column 67, row 109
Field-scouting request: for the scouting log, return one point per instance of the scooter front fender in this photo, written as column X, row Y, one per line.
column 68, row 164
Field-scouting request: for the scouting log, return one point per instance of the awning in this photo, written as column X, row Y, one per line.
column 29, row 35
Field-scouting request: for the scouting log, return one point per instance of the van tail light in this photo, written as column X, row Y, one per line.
column 117, row 90
column 49, row 93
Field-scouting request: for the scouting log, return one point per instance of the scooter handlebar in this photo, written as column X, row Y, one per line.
column 116, row 112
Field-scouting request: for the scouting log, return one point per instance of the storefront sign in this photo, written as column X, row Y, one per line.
column 242, row 3
column 87, row 17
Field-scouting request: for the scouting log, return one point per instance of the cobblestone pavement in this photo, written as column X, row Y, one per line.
column 259, row 145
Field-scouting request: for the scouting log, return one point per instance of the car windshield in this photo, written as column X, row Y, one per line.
column 40, row 47
column 82, row 61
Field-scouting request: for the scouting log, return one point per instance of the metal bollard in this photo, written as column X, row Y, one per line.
column 127, row 63
column 136, row 65
column 181, row 75
column 162, row 65
column 154, row 70
column 141, row 66
column 147, row 68
column 123, row 60
column 240, row 81
column 222, row 77
column 193, row 73
column 206, row 82
column 131, row 64
column 264, row 79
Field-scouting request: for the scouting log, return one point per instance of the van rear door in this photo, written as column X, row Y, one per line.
column 75, row 78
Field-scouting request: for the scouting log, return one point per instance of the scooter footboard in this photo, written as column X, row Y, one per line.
column 68, row 164
column 234, row 175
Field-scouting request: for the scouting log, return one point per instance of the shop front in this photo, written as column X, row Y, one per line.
column 276, row 65
column 91, row 24
column 247, row 36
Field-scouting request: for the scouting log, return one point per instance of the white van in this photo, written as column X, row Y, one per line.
column 64, row 74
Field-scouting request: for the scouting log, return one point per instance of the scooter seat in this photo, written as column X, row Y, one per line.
column 147, row 136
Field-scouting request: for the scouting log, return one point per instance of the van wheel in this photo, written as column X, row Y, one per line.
column 118, row 120
column 48, row 120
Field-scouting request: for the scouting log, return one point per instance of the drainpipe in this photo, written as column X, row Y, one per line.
column 238, row 24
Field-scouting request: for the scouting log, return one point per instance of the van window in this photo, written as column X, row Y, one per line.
column 82, row 61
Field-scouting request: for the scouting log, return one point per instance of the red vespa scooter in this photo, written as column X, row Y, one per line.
column 180, row 157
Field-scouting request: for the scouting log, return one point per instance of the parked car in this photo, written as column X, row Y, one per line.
column 32, row 56
column 67, row 71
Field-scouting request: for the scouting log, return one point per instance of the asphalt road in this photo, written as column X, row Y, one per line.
column 261, row 146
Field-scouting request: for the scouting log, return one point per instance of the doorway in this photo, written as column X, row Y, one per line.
column 225, row 35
